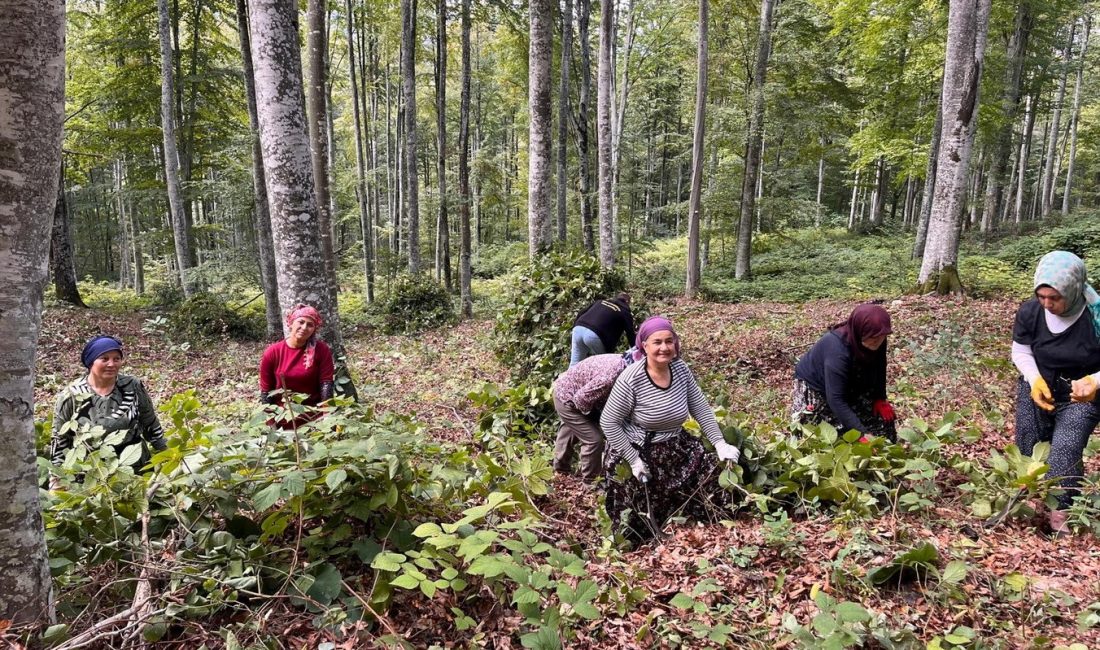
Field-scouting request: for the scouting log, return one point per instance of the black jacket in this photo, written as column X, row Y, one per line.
column 609, row 319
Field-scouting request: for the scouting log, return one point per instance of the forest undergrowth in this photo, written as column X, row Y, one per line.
column 428, row 514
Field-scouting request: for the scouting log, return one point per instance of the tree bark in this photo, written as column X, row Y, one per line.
column 32, row 47
column 695, row 208
column 603, row 134
column 408, row 86
column 299, row 261
column 563, row 118
column 62, row 266
column 754, row 142
column 584, row 13
column 539, row 162
column 621, row 91
column 360, row 162
column 180, row 230
column 1025, row 153
column 464, row 271
column 443, row 234
column 1076, row 116
column 1046, row 196
column 317, row 105
column 929, row 180
column 261, row 216
column 968, row 22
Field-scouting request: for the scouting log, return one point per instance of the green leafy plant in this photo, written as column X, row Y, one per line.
column 204, row 316
column 415, row 303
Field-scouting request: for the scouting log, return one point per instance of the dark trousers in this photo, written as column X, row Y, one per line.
column 1067, row 429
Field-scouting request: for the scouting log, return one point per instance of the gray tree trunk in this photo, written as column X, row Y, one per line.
column 968, row 23
column 32, row 47
column 408, row 87
column 180, row 230
column 563, row 118
column 695, row 208
column 878, row 198
column 820, row 187
column 1075, row 116
column 584, row 13
column 360, row 162
column 929, row 180
column 317, row 104
column 1046, row 196
column 603, row 135
column 443, row 234
column 464, row 271
column 754, row 142
column 539, row 161
column 62, row 267
column 1021, row 165
column 621, row 91
column 261, row 215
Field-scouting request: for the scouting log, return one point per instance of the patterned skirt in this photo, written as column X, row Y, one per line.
column 683, row 482
column 809, row 406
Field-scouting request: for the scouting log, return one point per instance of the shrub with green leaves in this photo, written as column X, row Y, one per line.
column 532, row 332
column 415, row 303
column 206, row 316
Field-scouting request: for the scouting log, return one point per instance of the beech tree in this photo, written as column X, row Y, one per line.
column 62, row 267
column 695, row 208
column 411, row 185
column 32, row 104
column 603, row 134
column 538, row 155
column 465, row 273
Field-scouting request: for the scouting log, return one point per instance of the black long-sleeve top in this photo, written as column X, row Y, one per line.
column 829, row 368
column 609, row 319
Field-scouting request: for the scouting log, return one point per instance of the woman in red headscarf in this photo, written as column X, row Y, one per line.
column 300, row 363
column 842, row 379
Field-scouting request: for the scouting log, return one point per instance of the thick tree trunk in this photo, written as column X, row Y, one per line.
column 62, row 266
column 261, row 215
column 299, row 260
column 408, row 86
column 563, row 118
column 1010, row 104
column 754, row 142
column 180, row 230
column 464, row 271
column 360, row 163
column 929, row 180
column 1075, row 116
column 317, row 104
column 32, row 47
column 539, row 162
column 584, row 13
column 1046, row 196
column 443, row 233
column 967, row 27
column 603, row 135
column 695, row 208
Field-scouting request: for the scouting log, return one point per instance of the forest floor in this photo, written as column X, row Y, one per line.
column 1023, row 588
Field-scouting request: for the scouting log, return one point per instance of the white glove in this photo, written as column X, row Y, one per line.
column 727, row 451
column 641, row 472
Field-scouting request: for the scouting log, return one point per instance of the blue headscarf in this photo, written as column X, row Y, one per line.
column 98, row 345
column 1065, row 273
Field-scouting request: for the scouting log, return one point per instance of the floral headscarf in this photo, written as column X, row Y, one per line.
column 1065, row 273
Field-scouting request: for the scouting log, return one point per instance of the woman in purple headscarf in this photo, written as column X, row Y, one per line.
column 643, row 420
column 842, row 379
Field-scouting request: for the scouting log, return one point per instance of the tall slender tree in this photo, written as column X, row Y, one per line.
column 967, row 27
column 32, row 104
column 563, row 117
column 1046, row 196
column 539, row 161
column 603, row 134
column 318, row 110
column 443, row 228
column 408, row 86
column 1075, row 116
column 696, row 201
column 465, row 275
column 582, row 122
column 360, row 162
column 62, row 267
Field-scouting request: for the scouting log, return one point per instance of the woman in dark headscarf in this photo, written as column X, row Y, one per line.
column 842, row 379
column 300, row 363
column 105, row 398
column 1056, row 348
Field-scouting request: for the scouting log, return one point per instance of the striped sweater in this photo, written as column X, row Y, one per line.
column 637, row 406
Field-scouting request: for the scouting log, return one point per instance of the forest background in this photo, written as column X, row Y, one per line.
column 771, row 162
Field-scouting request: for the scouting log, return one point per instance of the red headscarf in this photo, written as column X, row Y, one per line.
column 305, row 311
column 866, row 321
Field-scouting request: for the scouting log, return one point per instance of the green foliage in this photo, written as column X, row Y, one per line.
column 205, row 316
column 1000, row 490
column 525, row 409
column 532, row 331
column 493, row 260
column 416, row 303
column 914, row 564
column 1080, row 235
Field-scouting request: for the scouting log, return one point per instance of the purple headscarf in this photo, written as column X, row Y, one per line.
column 649, row 327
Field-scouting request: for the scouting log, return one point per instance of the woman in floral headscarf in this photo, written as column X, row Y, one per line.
column 1056, row 348
column 300, row 363
column 842, row 379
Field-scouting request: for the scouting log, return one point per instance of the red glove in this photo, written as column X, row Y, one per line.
column 882, row 409
column 865, row 439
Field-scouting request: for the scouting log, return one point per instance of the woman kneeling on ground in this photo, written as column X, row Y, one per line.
column 842, row 379
column 300, row 363
column 579, row 396
column 670, row 471
column 1056, row 348
column 105, row 398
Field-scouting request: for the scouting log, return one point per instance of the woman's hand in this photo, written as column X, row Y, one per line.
column 1084, row 389
column 1040, row 394
column 727, row 451
column 639, row 469
column 883, row 409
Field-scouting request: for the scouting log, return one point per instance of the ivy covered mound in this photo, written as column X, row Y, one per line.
column 424, row 528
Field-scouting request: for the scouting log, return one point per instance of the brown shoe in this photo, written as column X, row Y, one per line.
column 1059, row 522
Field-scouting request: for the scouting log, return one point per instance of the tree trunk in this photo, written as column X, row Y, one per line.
column 584, row 13
column 32, row 47
column 754, row 142
column 603, row 134
column 62, row 266
column 621, row 91
column 1075, row 116
column 443, row 234
column 929, row 180
column 464, row 271
column 317, row 105
column 878, row 199
column 1025, row 153
column 695, row 208
column 563, row 118
column 539, row 161
column 820, row 187
column 408, row 86
column 360, row 162
column 299, row 260
column 967, row 26
column 261, row 216
column 180, row 231
column 1046, row 196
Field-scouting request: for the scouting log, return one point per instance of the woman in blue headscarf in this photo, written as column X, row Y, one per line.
column 105, row 398
column 1056, row 348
